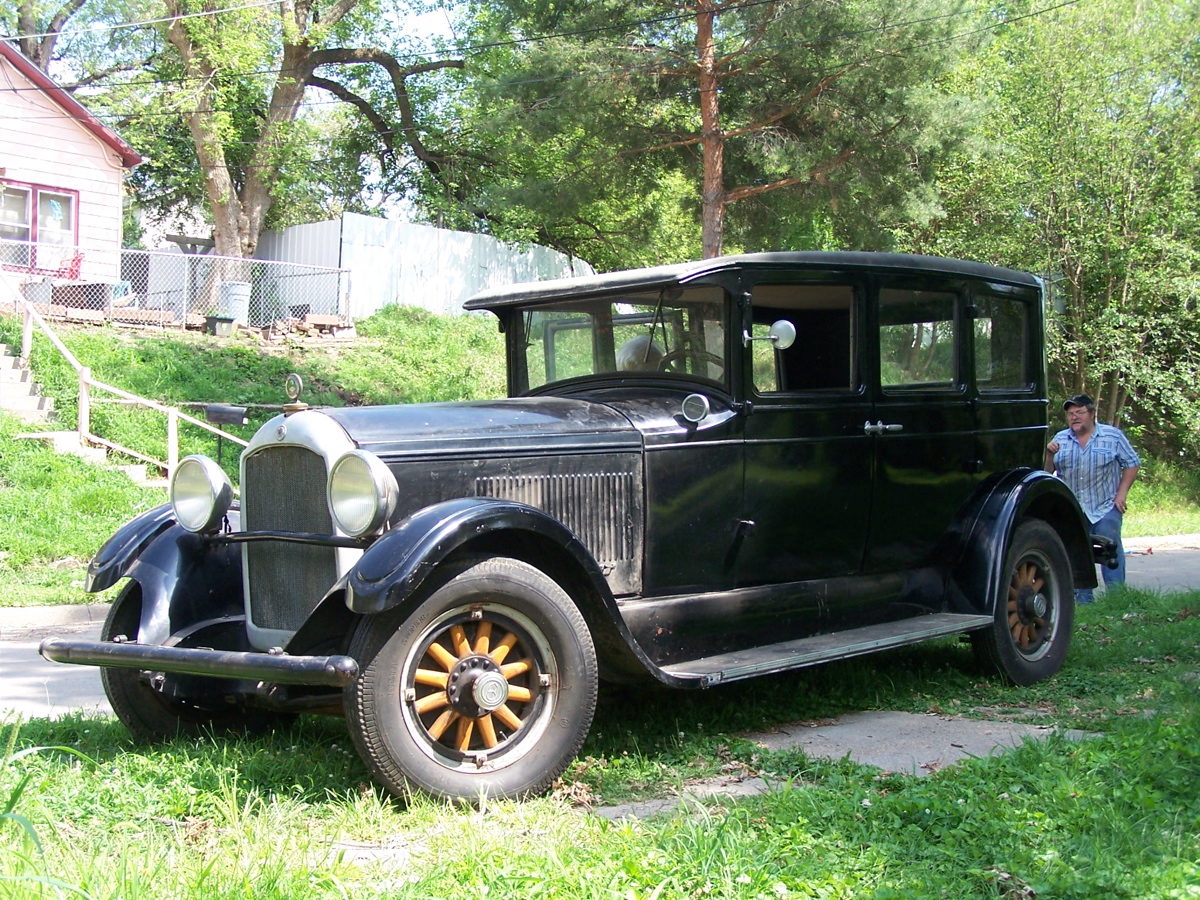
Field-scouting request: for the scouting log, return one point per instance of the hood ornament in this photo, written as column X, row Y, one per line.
column 293, row 386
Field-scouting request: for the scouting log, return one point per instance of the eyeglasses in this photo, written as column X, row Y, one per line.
column 1077, row 411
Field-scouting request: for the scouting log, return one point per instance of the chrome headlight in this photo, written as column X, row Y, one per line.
column 362, row 493
column 200, row 494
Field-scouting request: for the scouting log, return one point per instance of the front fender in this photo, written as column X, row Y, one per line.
column 113, row 559
column 394, row 566
column 978, row 578
column 185, row 578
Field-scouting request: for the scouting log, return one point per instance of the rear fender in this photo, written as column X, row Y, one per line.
column 185, row 579
column 978, row 578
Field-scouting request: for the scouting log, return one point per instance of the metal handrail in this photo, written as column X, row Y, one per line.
column 87, row 384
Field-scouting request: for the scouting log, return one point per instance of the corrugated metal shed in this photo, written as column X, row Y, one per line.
column 418, row 265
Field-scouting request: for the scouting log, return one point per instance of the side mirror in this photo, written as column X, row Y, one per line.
column 781, row 336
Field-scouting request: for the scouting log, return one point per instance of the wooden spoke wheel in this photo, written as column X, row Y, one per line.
column 1033, row 618
column 1028, row 609
column 478, row 685
column 486, row 687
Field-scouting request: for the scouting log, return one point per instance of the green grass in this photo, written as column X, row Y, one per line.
column 1164, row 500
column 292, row 814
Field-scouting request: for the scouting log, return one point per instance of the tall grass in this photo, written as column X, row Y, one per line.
column 1164, row 500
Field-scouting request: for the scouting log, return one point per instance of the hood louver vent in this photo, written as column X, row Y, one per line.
column 598, row 508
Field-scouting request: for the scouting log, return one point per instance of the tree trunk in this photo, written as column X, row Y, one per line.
column 713, row 141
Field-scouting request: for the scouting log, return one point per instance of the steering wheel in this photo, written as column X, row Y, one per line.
column 699, row 358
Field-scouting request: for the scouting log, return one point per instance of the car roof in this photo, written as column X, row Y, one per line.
column 682, row 273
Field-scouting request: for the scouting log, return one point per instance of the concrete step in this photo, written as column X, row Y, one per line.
column 68, row 442
column 19, row 393
column 21, row 397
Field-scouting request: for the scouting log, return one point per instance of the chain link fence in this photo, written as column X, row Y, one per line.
column 174, row 290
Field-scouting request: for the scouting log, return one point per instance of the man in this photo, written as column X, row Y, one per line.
column 1098, row 463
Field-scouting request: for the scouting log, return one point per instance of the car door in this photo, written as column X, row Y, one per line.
column 808, row 461
column 922, row 419
column 1010, row 406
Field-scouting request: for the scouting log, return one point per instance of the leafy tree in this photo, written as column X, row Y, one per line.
column 47, row 32
column 774, row 113
column 239, row 78
column 1091, row 179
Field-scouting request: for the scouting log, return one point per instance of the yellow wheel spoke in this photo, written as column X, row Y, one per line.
column 441, row 723
column 1016, row 631
column 483, row 638
column 513, row 669
column 1013, row 594
column 443, row 656
column 463, row 740
column 458, row 640
column 1013, row 619
column 1039, row 583
column 432, row 678
column 503, row 647
column 507, row 718
column 487, row 731
column 519, row 694
column 430, row 702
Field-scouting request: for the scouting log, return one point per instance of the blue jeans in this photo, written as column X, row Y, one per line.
column 1109, row 526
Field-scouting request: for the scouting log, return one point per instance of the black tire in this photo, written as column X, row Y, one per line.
column 150, row 715
column 478, row 721
column 1035, row 611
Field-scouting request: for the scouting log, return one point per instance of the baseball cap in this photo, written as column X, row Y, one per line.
column 1078, row 400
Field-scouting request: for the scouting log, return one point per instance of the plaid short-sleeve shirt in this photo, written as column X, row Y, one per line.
column 1094, row 472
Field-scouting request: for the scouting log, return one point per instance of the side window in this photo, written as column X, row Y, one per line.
column 37, row 226
column 916, row 338
column 1001, row 343
column 16, row 224
column 822, row 357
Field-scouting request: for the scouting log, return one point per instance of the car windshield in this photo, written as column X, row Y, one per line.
column 658, row 334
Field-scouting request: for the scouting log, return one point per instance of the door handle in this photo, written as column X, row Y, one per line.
column 879, row 427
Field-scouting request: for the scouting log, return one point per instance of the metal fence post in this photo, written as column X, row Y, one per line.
column 85, row 405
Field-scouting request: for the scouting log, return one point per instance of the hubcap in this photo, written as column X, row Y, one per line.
column 476, row 686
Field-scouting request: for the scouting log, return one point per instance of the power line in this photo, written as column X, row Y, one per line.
column 97, row 27
column 573, row 75
column 628, row 70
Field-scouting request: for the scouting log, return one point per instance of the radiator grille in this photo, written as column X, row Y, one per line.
column 284, row 490
column 598, row 508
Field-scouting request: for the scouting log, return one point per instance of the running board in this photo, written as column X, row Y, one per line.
column 823, row 648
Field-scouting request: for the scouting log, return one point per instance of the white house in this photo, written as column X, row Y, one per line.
column 61, row 171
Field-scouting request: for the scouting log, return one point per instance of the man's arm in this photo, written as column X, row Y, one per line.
column 1048, row 458
column 1128, row 476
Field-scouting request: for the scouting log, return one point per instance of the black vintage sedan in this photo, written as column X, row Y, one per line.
column 703, row 473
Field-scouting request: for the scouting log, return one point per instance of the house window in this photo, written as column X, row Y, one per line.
column 37, row 226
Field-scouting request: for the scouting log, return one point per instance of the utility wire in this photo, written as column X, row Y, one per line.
column 649, row 66
column 98, row 27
